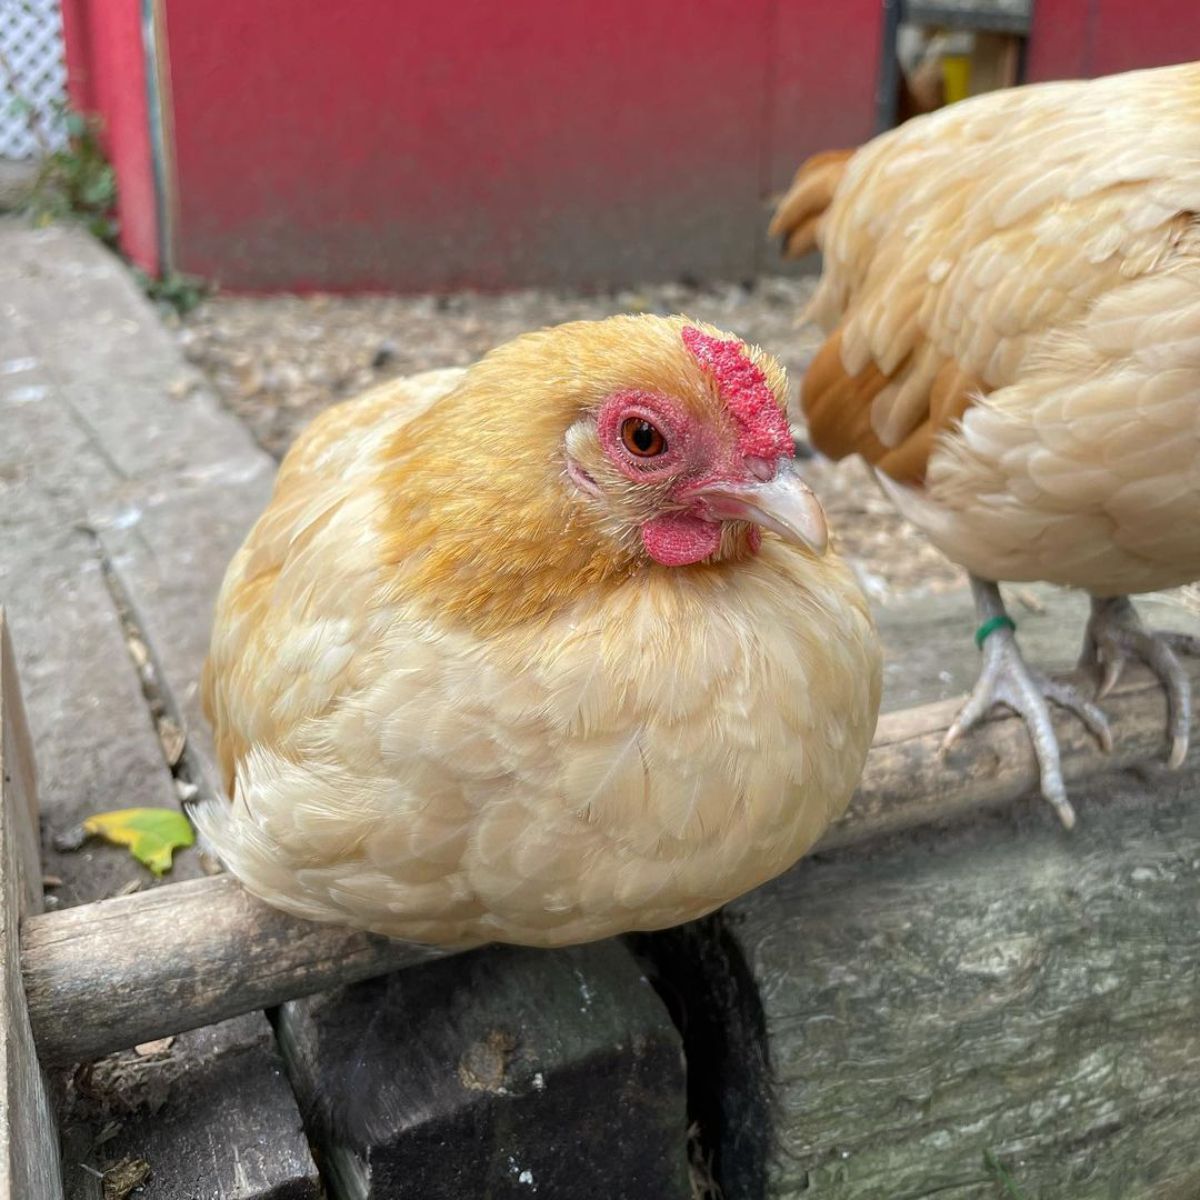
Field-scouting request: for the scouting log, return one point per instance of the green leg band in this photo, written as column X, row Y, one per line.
column 986, row 630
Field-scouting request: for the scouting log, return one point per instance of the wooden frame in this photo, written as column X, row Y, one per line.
column 29, row 1162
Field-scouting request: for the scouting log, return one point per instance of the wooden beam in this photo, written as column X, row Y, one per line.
column 106, row 976
column 29, row 1159
column 102, row 977
column 907, row 782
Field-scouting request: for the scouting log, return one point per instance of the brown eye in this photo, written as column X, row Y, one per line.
column 641, row 438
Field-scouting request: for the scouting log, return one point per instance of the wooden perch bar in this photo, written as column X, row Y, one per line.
column 105, row 976
column 906, row 783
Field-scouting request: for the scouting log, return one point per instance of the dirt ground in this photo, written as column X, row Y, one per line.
column 277, row 362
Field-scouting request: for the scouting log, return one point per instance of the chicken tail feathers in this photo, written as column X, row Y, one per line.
column 799, row 213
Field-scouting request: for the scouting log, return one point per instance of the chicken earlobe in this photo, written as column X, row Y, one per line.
column 1007, row 679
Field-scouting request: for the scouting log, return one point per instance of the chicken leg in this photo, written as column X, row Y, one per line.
column 1007, row 679
column 1114, row 634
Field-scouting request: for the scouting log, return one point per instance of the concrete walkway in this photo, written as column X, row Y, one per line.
column 105, row 437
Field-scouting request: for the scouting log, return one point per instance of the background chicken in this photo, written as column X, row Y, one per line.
column 509, row 658
column 1012, row 291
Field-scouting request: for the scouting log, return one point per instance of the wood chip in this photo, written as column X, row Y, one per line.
column 172, row 739
column 110, row 1131
column 137, row 650
column 150, row 1049
column 1029, row 601
column 68, row 840
column 209, row 865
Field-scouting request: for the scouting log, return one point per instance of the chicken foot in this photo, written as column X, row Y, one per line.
column 1007, row 679
column 1115, row 634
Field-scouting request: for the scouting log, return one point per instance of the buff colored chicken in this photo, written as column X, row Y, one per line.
column 1012, row 292
column 540, row 651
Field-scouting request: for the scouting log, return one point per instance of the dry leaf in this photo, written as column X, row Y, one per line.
column 121, row 1179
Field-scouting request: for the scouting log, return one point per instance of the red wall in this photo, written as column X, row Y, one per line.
column 1075, row 38
column 419, row 145
column 429, row 145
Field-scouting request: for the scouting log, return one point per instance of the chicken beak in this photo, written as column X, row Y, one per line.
column 784, row 504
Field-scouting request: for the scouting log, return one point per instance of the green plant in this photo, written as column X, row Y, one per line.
column 174, row 290
column 76, row 182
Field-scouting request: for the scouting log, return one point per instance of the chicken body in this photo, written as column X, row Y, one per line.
column 457, row 700
column 1012, row 291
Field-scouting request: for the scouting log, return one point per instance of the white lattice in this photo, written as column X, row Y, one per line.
column 33, row 79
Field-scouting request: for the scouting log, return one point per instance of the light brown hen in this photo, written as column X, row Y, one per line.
column 540, row 651
column 1011, row 288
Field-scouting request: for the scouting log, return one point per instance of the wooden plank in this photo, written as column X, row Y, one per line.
column 505, row 1074
column 1000, row 988
column 202, row 1111
column 221, row 952
column 29, row 1161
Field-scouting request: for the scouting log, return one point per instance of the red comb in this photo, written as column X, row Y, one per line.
column 763, row 428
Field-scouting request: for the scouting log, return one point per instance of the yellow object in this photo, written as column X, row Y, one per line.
column 956, row 77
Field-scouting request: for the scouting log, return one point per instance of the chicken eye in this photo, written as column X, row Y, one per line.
column 641, row 438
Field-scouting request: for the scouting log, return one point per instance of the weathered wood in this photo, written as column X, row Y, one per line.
column 29, row 1161
column 219, row 952
column 205, row 1113
column 503, row 1074
column 177, row 958
column 908, row 783
column 1000, row 987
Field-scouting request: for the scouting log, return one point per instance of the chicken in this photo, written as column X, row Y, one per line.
column 540, row 651
column 1011, row 289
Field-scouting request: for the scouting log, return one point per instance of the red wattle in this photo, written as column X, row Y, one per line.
column 679, row 539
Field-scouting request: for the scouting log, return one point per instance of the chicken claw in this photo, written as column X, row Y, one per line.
column 1007, row 679
column 1115, row 633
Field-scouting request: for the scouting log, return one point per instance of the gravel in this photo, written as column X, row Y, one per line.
column 278, row 361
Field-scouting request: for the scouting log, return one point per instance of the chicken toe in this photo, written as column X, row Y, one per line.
column 1115, row 634
column 1007, row 679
